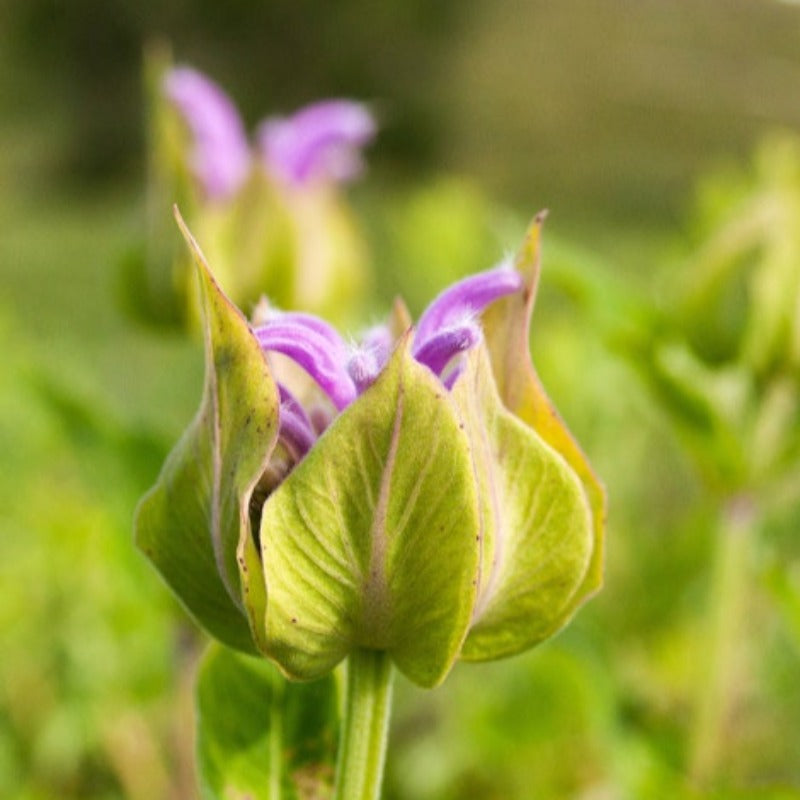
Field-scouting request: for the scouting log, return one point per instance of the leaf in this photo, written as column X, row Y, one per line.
column 506, row 324
column 709, row 407
column 191, row 523
column 536, row 530
column 260, row 737
column 370, row 542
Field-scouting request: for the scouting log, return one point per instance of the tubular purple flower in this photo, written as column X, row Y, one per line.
column 295, row 422
column 363, row 366
column 321, row 141
column 314, row 352
column 221, row 156
column 378, row 340
column 440, row 348
column 295, row 428
column 468, row 297
column 449, row 380
column 447, row 328
column 313, row 323
column 370, row 356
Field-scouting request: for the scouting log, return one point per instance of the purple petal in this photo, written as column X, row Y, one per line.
column 313, row 323
column 289, row 401
column 449, row 380
column 370, row 357
column 437, row 352
column 294, row 434
column 321, row 141
column 363, row 367
column 466, row 298
column 378, row 340
column 295, row 427
column 313, row 352
column 220, row 159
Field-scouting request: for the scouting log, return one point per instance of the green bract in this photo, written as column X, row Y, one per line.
column 370, row 542
column 194, row 523
column 442, row 512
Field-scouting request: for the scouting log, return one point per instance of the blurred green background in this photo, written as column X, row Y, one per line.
column 638, row 125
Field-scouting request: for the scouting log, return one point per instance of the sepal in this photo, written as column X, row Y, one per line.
column 506, row 326
column 194, row 523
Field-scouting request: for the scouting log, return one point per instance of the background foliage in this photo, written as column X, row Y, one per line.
column 636, row 123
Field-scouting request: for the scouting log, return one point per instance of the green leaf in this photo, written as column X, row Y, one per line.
column 709, row 406
column 506, row 324
column 370, row 542
column 259, row 737
column 536, row 530
column 193, row 521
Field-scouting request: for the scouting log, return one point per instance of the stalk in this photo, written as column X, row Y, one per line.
column 728, row 604
column 276, row 738
column 367, row 707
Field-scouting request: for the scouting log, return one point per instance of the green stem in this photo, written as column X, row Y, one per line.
column 276, row 712
column 362, row 747
column 727, row 608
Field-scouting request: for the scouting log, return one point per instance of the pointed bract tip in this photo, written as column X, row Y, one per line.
column 528, row 258
column 188, row 237
column 181, row 222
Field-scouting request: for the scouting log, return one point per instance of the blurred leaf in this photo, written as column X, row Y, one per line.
column 260, row 737
column 621, row 312
column 776, row 428
column 105, row 443
column 708, row 407
column 144, row 302
column 195, row 519
column 433, row 236
column 783, row 583
column 738, row 297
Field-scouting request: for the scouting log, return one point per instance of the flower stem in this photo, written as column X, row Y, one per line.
column 276, row 713
column 362, row 747
column 723, row 662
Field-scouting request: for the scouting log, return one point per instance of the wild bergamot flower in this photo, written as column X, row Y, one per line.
column 411, row 492
column 320, row 142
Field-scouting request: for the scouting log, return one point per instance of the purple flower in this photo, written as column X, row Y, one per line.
column 220, row 158
column 447, row 329
column 320, row 142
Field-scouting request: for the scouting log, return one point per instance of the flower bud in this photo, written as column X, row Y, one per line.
column 439, row 510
